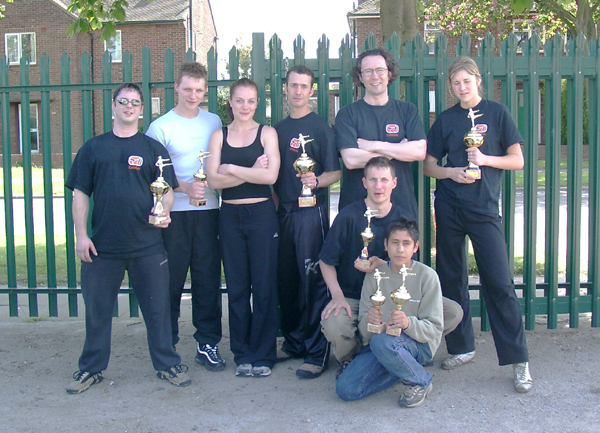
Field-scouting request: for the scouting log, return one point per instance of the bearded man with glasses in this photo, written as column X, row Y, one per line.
column 378, row 125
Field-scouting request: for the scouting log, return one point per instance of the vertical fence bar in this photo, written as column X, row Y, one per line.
column 106, row 93
column 169, row 73
column 11, row 265
column 259, row 75
column 127, row 67
column 323, row 78
column 574, row 163
column 275, row 78
column 299, row 54
column 530, row 186
column 48, row 194
column 28, row 187
column 86, row 97
column 211, row 64
column 554, row 48
column 594, row 188
column 393, row 46
column 146, row 89
column 509, row 97
column 346, row 87
column 234, row 64
column 65, row 101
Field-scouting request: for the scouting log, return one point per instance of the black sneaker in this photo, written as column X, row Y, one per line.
column 209, row 357
column 83, row 380
column 175, row 375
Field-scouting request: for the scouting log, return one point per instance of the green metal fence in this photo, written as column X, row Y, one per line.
column 535, row 74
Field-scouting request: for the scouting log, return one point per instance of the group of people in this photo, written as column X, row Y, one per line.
column 278, row 252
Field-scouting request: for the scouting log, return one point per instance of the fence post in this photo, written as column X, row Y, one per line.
column 259, row 75
column 530, row 184
column 594, row 188
column 323, row 78
column 106, row 93
column 169, row 73
column 276, row 75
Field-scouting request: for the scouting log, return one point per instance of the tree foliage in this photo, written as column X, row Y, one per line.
column 96, row 15
column 547, row 17
column 3, row 8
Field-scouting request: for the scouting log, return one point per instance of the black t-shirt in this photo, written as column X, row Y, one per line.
column 322, row 150
column 446, row 138
column 391, row 122
column 117, row 172
column 343, row 243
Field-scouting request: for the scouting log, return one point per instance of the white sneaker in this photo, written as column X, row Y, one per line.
column 523, row 380
column 456, row 361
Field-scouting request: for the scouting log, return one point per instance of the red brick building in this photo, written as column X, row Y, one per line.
column 35, row 27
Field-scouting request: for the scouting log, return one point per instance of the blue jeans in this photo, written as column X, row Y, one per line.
column 383, row 363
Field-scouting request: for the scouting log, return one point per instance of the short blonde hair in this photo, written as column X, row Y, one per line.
column 467, row 64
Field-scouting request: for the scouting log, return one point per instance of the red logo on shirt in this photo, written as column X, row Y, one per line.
column 135, row 162
column 482, row 128
column 392, row 129
column 295, row 143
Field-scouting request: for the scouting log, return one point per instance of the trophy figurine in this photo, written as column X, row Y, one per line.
column 200, row 176
column 367, row 236
column 159, row 188
column 377, row 299
column 400, row 296
column 305, row 164
column 473, row 138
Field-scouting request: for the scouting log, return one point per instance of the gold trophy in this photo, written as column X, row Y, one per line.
column 473, row 138
column 400, row 296
column 377, row 299
column 200, row 176
column 305, row 164
column 159, row 188
column 367, row 236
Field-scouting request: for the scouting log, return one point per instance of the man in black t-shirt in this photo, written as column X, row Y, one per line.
column 378, row 125
column 343, row 245
column 116, row 169
column 302, row 291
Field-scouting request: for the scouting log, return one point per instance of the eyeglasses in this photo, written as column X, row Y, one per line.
column 367, row 73
column 125, row 101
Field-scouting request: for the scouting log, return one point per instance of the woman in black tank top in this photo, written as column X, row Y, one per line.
column 244, row 162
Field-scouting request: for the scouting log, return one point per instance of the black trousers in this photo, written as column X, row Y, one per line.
column 301, row 288
column 192, row 243
column 498, row 290
column 249, row 236
column 100, row 283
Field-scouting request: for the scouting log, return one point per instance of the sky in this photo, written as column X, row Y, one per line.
column 309, row 18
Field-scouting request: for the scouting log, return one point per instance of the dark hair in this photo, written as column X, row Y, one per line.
column 128, row 86
column 401, row 224
column 380, row 162
column 242, row 82
column 302, row 70
column 391, row 64
column 193, row 70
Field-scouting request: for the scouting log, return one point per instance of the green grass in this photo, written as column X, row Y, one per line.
column 37, row 175
column 40, row 260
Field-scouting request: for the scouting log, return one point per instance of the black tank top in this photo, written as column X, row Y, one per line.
column 244, row 157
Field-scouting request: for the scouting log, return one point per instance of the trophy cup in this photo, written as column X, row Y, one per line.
column 473, row 138
column 200, row 176
column 305, row 164
column 159, row 188
column 377, row 299
column 400, row 296
column 367, row 236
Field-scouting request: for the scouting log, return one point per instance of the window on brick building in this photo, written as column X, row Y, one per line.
column 113, row 46
column 33, row 128
column 430, row 32
column 17, row 45
column 155, row 107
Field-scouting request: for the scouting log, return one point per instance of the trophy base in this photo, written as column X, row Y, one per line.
column 396, row 332
column 198, row 202
column 474, row 173
column 375, row 329
column 156, row 220
column 309, row 201
column 364, row 263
